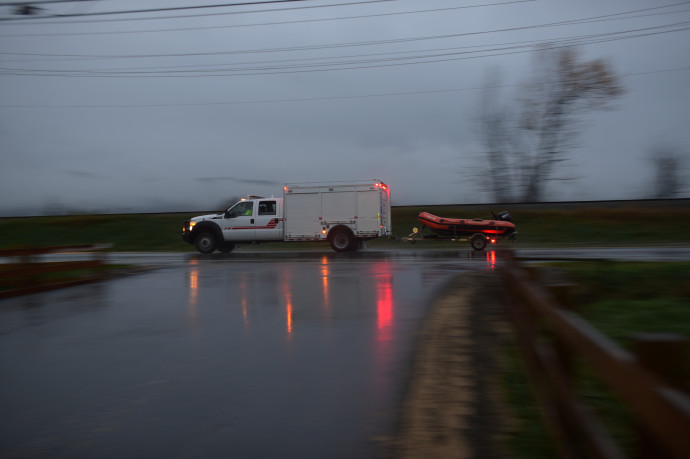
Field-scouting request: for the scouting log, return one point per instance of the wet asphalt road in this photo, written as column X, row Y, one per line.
column 271, row 355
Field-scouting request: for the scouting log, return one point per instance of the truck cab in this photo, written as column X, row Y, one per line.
column 254, row 219
column 251, row 219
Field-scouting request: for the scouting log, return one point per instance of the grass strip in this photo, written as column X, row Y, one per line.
column 585, row 225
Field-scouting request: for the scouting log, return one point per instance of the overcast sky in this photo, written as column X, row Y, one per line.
column 185, row 109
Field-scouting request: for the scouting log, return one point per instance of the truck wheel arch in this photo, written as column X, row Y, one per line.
column 342, row 239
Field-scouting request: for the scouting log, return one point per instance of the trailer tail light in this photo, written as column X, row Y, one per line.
column 493, row 241
column 323, row 231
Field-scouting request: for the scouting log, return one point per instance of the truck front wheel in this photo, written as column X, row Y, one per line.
column 205, row 243
column 342, row 240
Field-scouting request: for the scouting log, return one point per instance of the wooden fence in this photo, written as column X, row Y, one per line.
column 25, row 271
column 650, row 381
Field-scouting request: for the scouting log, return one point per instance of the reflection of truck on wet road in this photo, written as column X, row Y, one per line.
column 344, row 213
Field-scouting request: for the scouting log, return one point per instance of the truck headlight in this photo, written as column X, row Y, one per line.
column 191, row 225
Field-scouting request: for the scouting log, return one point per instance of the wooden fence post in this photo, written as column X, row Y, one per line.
column 663, row 354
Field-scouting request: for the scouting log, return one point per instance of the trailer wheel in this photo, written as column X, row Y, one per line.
column 205, row 242
column 478, row 242
column 341, row 240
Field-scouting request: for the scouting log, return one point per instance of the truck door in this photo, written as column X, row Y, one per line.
column 269, row 222
column 239, row 222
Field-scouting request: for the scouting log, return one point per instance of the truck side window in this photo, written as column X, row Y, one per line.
column 267, row 207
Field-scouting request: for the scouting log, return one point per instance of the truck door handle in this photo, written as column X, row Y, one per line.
column 252, row 220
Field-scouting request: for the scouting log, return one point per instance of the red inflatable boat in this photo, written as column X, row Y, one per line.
column 477, row 230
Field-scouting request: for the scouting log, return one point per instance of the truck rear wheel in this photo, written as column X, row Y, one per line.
column 342, row 240
column 205, row 242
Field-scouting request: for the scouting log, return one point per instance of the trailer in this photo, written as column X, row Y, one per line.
column 477, row 231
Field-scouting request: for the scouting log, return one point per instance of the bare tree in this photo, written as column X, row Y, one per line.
column 495, row 125
column 668, row 164
column 531, row 144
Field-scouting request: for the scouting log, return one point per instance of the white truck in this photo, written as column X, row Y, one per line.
column 344, row 213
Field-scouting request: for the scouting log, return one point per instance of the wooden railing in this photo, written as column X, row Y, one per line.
column 555, row 341
column 24, row 271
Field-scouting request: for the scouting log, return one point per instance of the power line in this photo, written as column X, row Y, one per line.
column 311, row 99
column 182, row 8
column 333, row 45
column 297, row 21
column 312, row 59
column 579, row 39
column 29, row 10
column 305, row 8
column 157, row 10
column 335, row 63
column 573, row 40
column 43, row 2
column 312, row 68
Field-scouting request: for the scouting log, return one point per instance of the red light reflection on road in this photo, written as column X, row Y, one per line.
column 287, row 295
column 384, row 301
column 193, row 284
column 289, row 317
column 325, row 272
column 491, row 260
column 382, row 277
column 243, row 299
column 385, row 304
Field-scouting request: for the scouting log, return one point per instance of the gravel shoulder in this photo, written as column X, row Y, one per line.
column 452, row 407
